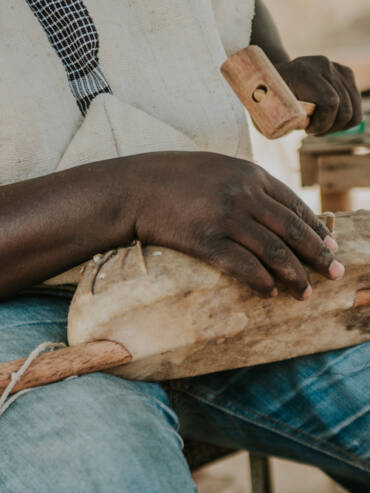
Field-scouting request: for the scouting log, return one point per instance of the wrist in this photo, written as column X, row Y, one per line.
column 279, row 58
column 119, row 210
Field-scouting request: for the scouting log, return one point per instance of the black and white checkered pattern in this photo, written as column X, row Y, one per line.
column 72, row 33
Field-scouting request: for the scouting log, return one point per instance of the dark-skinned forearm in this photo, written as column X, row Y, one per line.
column 227, row 212
column 54, row 222
column 265, row 35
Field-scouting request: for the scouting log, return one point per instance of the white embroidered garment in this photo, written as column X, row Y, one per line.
column 161, row 60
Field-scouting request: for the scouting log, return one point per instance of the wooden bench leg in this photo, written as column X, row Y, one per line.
column 260, row 474
column 335, row 201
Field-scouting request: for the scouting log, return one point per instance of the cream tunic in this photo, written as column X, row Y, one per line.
column 161, row 59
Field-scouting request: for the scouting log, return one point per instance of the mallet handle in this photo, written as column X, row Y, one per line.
column 309, row 108
column 66, row 362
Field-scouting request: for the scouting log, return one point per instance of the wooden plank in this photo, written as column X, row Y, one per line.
column 183, row 318
column 335, row 201
column 362, row 298
column 339, row 173
column 309, row 169
column 320, row 145
column 339, row 144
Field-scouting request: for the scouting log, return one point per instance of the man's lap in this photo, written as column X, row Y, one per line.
column 313, row 409
column 92, row 433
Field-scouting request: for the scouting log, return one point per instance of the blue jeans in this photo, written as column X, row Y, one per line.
column 100, row 433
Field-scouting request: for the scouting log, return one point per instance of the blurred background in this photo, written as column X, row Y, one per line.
column 340, row 30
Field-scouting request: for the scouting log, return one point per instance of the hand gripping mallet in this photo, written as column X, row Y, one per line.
column 263, row 92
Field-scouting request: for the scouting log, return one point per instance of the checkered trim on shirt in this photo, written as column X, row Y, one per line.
column 73, row 35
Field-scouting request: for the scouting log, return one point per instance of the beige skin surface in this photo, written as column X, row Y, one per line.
column 228, row 212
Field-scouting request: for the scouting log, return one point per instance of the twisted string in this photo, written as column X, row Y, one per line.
column 5, row 400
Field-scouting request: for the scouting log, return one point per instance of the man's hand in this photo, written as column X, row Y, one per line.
column 330, row 86
column 233, row 215
column 314, row 79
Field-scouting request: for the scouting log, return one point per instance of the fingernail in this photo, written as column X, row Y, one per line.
column 331, row 243
column 307, row 292
column 274, row 292
column 336, row 270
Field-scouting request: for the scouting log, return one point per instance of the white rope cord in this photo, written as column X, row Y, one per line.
column 5, row 400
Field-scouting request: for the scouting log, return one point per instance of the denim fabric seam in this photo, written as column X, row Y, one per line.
column 134, row 393
column 161, row 405
column 168, row 409
column 356, row 461
column 176, row 434
column 36, row 322
column 311, row 377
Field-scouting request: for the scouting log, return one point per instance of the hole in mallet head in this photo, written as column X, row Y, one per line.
column 259, row 93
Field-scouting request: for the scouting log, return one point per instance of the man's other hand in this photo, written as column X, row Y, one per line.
column 330, row 86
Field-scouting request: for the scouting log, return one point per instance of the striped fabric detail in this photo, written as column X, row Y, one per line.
column 72, row 33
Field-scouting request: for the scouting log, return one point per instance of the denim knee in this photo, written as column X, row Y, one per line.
column 94, row 433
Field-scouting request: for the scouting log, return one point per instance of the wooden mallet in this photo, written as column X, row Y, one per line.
column 273, row 107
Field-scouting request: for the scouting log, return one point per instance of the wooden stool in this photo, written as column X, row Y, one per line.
column 337, row 163
column 199, row 454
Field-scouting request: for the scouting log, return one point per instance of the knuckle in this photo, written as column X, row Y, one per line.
column 304, row 63
column 230, row 195
column 254, row 182
column 255, row 174
column 215, row 255
column 298, row 207
column 207, row 237
column 323, row 61
column 325, row 256
column 225, row 208
column 294, row 230
column 333, row 101
column 276, row 254
column 324, row 121
column 320, row 229
column 346, row 114
column 248, row 270
column 347, row 72
column 259, row 171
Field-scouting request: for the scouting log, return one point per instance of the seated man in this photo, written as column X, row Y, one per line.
column 148, row 142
